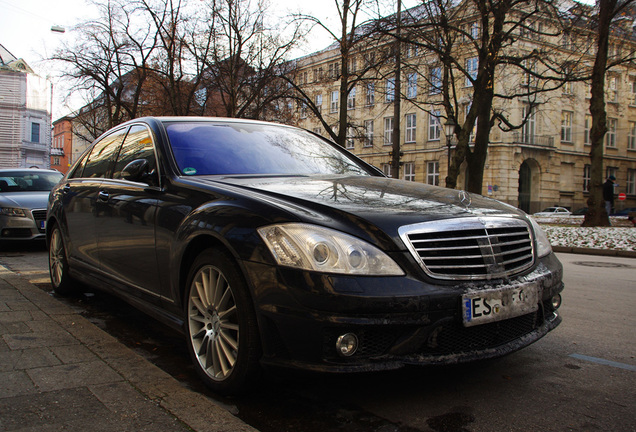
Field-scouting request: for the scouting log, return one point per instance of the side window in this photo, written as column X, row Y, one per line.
column 138, row 145
column 102, row 156
column 79, row 167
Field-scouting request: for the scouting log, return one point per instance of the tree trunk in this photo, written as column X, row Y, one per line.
column 397, row 99
column 596, row 214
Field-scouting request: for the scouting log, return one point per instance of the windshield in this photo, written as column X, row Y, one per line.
column 28, row 181
column 248, row 149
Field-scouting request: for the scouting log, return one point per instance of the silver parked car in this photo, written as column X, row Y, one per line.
column 553, row 211
column 24, row 194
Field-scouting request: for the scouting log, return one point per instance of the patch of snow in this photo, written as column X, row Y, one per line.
column 566, row 231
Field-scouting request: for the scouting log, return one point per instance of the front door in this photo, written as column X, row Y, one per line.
column 525, row 187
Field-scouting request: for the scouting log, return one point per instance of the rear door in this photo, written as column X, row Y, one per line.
column 80, row 199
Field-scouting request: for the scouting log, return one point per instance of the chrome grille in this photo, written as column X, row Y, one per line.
column 471, row 248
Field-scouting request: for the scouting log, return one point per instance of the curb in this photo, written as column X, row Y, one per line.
column 589, row 251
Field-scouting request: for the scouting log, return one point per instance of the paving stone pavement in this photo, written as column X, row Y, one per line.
column 59, row 372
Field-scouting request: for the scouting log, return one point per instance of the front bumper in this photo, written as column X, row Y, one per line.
column 397, row 321
column 23, row 228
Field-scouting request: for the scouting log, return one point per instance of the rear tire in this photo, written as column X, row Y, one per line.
column 222, row 334
column 62, row 283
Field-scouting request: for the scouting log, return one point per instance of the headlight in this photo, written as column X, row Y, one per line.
column 8, row 211
column 543, row 244
column 321, row 249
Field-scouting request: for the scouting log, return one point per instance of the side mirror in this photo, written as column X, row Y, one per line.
column 136, row 171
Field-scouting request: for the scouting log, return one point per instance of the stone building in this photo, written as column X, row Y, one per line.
column 69, row 142
column 546, row 162
column 25, row 115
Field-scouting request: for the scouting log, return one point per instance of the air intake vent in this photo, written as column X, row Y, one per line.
column 471, row 248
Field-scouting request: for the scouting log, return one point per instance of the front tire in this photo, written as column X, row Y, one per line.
column 58, row 264
column 221, row 324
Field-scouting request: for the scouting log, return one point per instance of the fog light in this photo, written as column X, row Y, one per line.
column 556, row 301
column 347, row 344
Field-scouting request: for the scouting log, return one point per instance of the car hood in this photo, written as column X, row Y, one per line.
column 28, row 200
column 383, row 202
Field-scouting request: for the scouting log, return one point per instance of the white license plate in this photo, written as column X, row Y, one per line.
column 499, row 304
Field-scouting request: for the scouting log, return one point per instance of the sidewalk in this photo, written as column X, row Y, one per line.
column 60, row 372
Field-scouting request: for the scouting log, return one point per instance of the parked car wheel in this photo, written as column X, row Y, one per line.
column 58, row 265
column 221, row 324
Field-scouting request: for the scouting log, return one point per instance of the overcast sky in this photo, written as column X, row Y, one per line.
column 25, row 27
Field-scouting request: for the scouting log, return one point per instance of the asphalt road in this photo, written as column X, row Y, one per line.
column 581, row 377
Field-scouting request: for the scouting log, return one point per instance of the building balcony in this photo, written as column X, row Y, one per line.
column 30, row 145
column 533, row 140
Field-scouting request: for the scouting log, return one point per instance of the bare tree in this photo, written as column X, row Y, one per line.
column 246, row 52
column 474, row 41
column 355, row 39
column 608, row 10
column 107, row 65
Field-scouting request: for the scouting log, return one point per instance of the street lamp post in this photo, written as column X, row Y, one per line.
column 449, row 128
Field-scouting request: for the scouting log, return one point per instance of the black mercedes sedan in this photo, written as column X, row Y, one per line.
column 268, row 245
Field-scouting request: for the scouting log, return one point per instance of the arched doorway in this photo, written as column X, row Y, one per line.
column 529, row 186
column 525, row 187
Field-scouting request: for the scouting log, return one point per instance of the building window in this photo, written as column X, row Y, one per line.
column 432, row 173
column 474, row 31
column 632, row 91
column 319, row 103
column 303, row 110
column 586, row 134
column 353, row 65
column 567, row 86
column 528, row 130
column 436, row 80
column 611, row 171
column 334, row 101
column 35, row 132
column 631, row 137
column 56, row 160
column 566, row 41
column 388, row 131
column 631, row 182
column 410, row 128
column 368, row 133
column 386, row 169
column 351, row 99
column 350, row 138
column 434, row 129
column 370, row 94
column 586, row 178
column 471, row 70
column 610, row 136
column 409, row 171
column 390, row 90
column 411, row 86
column 612, row 89
column 566, row 126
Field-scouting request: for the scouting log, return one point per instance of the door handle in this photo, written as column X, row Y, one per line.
column 103, row 196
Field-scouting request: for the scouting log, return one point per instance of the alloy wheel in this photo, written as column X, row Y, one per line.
column 213, row 323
